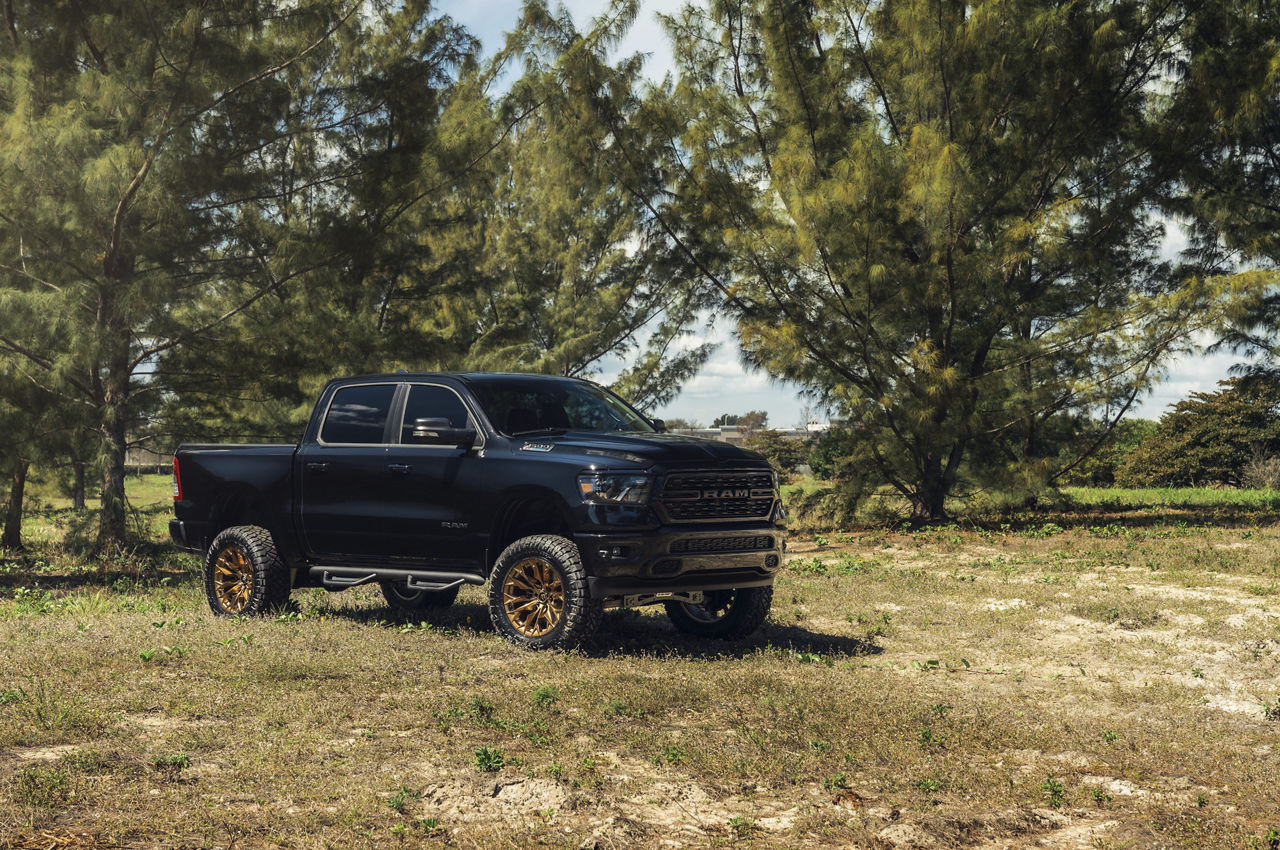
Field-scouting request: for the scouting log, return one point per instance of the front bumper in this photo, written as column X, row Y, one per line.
column 726, row 556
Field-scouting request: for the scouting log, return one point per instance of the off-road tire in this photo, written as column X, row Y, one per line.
column 244, row 573
column 401, row 597
column 726, row 614
column 538, row 596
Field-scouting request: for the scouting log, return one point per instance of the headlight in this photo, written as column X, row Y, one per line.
column 615, row 488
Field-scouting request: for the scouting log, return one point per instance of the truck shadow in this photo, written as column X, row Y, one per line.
column 632, row 633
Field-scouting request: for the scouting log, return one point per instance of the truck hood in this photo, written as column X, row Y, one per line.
column 605, row 447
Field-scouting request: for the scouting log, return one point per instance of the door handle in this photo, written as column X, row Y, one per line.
column 317, row 467
column 402, row 468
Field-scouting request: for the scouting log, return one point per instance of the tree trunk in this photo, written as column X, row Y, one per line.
column 112, row 527
column 12, row 537
column 929, row 500
column 112, row 419
column 77, row 489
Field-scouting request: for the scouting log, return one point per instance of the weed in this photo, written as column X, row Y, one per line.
column 1197, row 672
column 555, row 770
column 544, row 696
column 489, row 759
column 1271, row 710
column 836, row 783
column 482, row 712
column 741, row 827
column 171, row 762
column 1053, row 792
column 673, row 755
column 623, row 708
column 929, row 786
column 401, row 799
column 42, row 787
column 1100, row 796
column 1110, row 735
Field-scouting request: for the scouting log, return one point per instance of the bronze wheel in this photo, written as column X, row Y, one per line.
column 233, row 579
column 538, row 594
column 533, row 596
column 244, row 575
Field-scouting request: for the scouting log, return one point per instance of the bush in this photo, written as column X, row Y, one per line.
column 1210, row 438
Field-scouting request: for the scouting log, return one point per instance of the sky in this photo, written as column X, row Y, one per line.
column 724, row 385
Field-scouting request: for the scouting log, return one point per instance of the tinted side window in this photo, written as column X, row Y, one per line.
column 430, row 402
column 358, row 414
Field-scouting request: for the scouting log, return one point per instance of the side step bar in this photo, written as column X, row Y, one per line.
column 341, row 578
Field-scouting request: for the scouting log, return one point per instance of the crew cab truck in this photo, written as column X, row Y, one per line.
column 555, row 491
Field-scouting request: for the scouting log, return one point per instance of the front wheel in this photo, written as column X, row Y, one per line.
column 538, row 595
column 728, row 614
column 244, row 574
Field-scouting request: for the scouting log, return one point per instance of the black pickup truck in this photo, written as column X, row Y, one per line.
column 554, row 490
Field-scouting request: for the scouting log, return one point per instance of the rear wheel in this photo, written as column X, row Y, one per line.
column 538, row 595
column 728, row 614
column 244, row 574
column 404, row 598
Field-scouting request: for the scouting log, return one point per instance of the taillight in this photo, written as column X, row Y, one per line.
column 177, row 481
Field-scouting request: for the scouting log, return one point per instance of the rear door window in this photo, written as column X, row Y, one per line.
column 358, row 414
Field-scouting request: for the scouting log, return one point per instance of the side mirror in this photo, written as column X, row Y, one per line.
column 440, row 432
column 658, row 425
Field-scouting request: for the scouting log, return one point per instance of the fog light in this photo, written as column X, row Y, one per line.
column 770, row 561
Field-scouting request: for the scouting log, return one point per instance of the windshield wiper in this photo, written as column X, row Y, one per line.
column 538, row 431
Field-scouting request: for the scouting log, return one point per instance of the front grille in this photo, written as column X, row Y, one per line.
column 748, row 543
column 718, row 495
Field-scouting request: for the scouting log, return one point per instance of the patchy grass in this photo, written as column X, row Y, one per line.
column 1108, row 681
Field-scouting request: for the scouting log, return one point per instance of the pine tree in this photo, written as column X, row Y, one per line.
column 167, row 168
column 940, row 216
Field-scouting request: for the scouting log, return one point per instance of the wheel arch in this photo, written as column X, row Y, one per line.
column 526, row 512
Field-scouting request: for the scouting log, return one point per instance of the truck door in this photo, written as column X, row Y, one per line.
column 341, row 475
column 430, row 498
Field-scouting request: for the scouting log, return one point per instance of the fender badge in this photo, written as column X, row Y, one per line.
column 536, row 447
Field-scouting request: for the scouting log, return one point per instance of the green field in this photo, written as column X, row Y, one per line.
column 1112, row 683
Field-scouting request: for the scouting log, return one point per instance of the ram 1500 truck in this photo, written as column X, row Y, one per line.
column 555, row 491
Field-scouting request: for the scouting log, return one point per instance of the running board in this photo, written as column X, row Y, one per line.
column 341, row 578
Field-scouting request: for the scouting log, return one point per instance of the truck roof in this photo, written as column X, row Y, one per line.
column 465, row 377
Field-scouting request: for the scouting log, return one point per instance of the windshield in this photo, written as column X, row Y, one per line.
column 518, row 406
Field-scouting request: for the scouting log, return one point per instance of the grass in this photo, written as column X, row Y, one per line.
column 1174, row 497
column 1113, row 673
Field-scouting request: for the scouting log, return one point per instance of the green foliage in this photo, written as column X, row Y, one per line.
column 831, row 445
column 750, row 421
column 784, row 453
column 489, row 759
column 1210, row 438
column 1098, row 467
